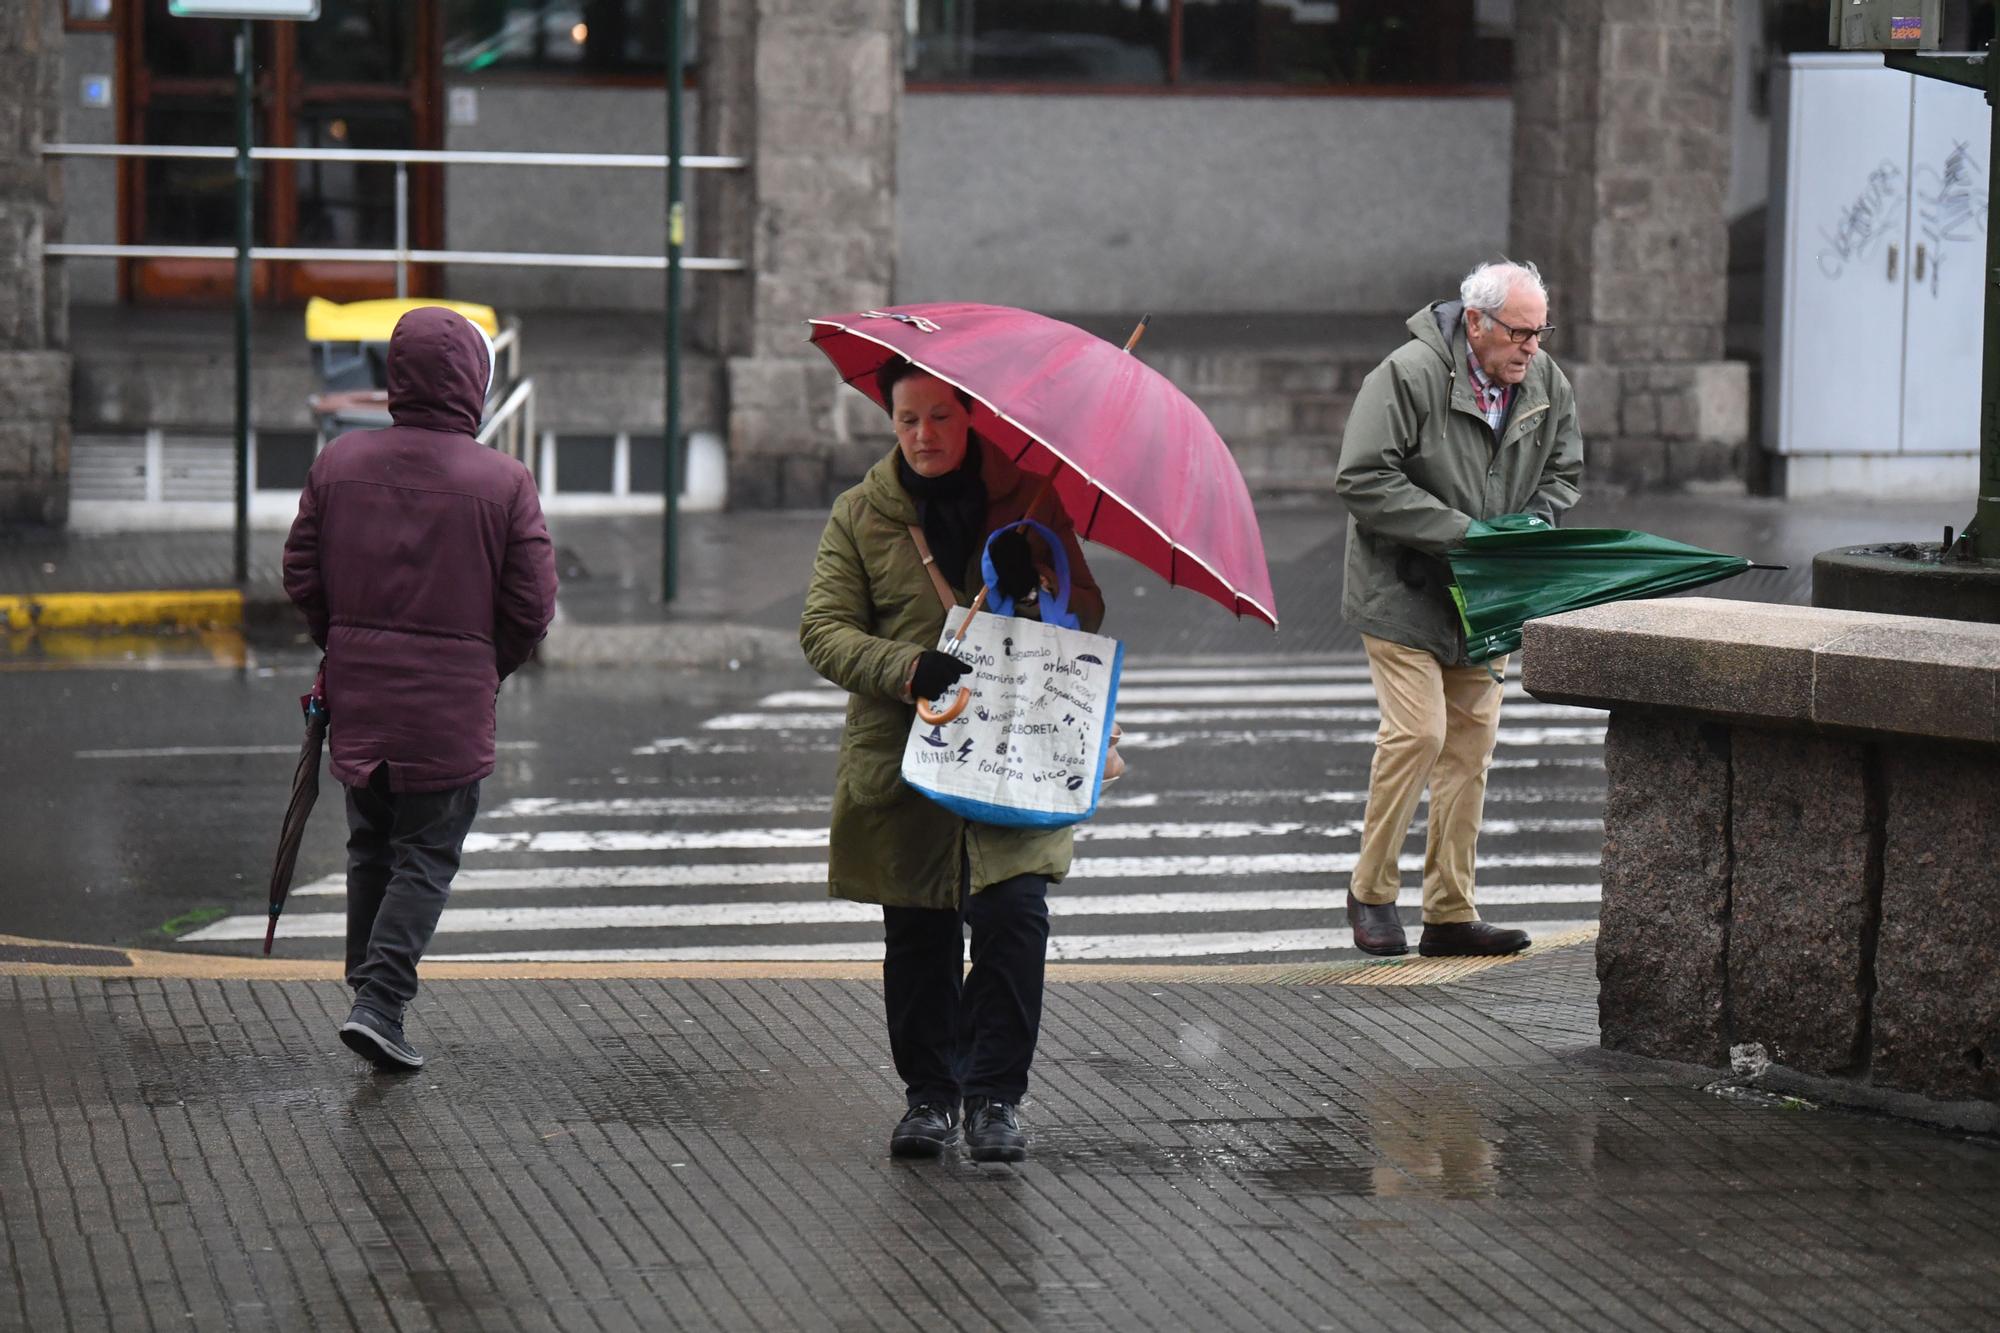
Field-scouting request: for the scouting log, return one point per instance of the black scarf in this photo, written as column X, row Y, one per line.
column 952, row 510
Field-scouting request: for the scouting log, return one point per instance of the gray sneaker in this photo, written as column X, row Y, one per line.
column 377, row 1040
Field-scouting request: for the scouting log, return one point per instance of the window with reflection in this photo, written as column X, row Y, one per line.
column 360, row 41
column 1040, row 41
column 1327, row 44
column 349, row 204
column 192, row 201
column 607, row 37
column 177, row 48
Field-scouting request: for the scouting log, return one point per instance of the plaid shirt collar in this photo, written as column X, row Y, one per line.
column 1493, row 397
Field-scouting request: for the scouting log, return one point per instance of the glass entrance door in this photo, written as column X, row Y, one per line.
column 364, row 75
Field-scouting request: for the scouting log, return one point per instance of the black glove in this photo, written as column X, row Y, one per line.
column 936, row 673
column 1014, row 563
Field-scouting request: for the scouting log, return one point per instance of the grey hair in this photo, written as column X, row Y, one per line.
column 1488, row 286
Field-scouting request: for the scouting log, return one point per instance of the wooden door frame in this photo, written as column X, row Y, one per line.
column 278, row 96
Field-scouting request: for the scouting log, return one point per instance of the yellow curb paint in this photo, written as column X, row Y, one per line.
column 159, row 965
column 195, row 608
column 82, row 649
column 1419, row 971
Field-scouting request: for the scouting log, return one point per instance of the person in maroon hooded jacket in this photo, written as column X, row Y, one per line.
column 424, row 570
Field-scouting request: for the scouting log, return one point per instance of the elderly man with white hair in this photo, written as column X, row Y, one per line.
column 1469, row 419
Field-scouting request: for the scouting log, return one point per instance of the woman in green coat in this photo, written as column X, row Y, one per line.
column 872, row 614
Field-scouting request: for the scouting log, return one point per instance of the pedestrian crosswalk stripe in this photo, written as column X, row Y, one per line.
column 1063, row 901
column 567, row 865
column 232, row 751
column 669, row 807
column 1249, row 675
column 1143, row 694
column 1064, row 949
column 527, row 878
column 1511, row 737
column 664, row 840
column 1136, row 673
column 1157, row 716
column 656, row 807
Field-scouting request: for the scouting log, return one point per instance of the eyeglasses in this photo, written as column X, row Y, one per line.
column 1517, row 336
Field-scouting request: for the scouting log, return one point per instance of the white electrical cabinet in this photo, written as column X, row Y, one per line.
column 1874, row 304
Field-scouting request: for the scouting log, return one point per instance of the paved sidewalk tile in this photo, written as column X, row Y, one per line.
column 622, row 1154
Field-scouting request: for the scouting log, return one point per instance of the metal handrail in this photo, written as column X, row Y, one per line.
column 402, row 255
column 489, row 258
column 516, row 415
column 413, row 156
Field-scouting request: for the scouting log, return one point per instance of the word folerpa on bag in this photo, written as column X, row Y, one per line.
column 1028, row 750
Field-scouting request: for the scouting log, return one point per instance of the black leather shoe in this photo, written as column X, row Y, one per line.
column 1470, row 939
column 1377, row 929
column 925, row 1131
column 993, row 1133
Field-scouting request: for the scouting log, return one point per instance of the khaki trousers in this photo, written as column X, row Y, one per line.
column 1438, row 727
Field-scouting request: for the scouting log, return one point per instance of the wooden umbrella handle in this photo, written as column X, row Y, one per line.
column 934, row 716
column 937, row 717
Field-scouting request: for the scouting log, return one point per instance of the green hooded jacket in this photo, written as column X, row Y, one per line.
column 1418, row 463
column 870, row 609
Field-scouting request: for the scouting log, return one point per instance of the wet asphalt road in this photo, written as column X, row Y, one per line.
column 679, row 815
column 131, row 802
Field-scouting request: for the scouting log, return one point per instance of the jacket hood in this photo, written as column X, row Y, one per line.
column 440, row 365
column 1436, row 326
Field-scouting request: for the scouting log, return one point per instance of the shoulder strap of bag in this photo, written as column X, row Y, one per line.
column 930, row 567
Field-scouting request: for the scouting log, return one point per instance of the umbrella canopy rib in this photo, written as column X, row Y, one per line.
column 1119, row 418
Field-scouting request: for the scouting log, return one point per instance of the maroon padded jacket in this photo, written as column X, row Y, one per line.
column 423, row 567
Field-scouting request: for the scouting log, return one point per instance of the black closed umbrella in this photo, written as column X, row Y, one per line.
column 305, row 790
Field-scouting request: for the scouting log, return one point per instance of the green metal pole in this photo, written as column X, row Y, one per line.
column 243, row 231
column 1986, row 534
column 676, row 237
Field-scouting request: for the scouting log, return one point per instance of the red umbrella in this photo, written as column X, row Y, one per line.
column 1135, row 464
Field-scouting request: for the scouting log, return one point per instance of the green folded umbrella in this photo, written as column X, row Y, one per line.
column 1514, row 568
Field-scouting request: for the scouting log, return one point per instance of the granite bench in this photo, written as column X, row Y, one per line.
column 1801, row 841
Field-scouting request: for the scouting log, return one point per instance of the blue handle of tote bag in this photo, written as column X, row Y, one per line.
column 1055, row 606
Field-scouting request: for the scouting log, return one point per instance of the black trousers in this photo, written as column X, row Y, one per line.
column 402, row 851
column 959, row 1035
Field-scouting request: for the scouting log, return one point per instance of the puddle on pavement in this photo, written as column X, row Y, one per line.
column 1427, row 1141
column 150, row 650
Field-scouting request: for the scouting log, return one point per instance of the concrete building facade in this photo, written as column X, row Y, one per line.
column 1279, row 236
column 34, row 307
column 1621, row 172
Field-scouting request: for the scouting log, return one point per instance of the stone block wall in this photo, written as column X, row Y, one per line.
column 1802, row 840
column 811, row 92
column 1621, row 169
column 1842, row 916
column 34, row 305
column 1666, row 880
